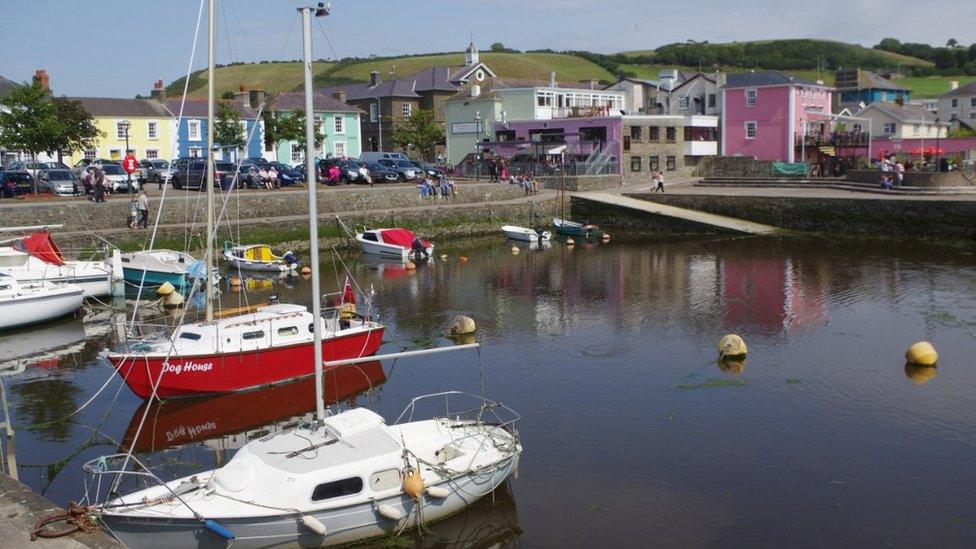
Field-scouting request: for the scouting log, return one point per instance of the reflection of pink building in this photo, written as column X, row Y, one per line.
column 764, row 114
column 769, row 296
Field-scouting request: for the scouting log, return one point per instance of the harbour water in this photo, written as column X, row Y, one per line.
column 634, row 435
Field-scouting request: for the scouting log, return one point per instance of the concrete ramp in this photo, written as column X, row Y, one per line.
column 717, row 221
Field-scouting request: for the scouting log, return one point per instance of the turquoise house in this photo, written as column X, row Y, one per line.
column 338, row 121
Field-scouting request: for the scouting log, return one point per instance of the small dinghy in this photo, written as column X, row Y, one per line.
column 24, row 304
column 259, row 257
column 566, row 227
column 156, row 267
column 396, row 243
column 526, row 234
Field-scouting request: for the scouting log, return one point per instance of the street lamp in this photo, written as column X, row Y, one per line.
column 124, row 126
column 938, row 156
column 477, row 151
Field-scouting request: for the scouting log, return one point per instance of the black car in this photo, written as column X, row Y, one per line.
column 257, row 161
column 428, row 168
column 350, row 171
column 381, row 174
column 193, row 175
column 404, row 168
column 15, row 183
column 287, row 175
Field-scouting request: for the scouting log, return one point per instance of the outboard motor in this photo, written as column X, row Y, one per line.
column 290, row 258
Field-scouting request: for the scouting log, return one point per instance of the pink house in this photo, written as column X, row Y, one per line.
column 764, row 114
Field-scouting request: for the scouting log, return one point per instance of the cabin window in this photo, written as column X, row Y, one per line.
column 370, row 236
column 289, row 331
column 253, row 335
column 311, row 328
column 338, row 488
column 189, row 335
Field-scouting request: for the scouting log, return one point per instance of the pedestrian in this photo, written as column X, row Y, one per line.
column 422, row 187
column 334, row 174
column 143, row 204
column 504, row 172
column 660, row 182
column 99, row 185
column 133, row 220
column 493, row 171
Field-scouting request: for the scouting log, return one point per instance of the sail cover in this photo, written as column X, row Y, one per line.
column 400, row 237
column 42, row 247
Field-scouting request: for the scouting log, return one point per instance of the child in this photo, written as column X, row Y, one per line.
column 133, row 213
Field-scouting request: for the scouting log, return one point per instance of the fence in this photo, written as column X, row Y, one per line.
column 539, row 169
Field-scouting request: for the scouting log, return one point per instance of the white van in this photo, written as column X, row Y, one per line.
column 375, row 156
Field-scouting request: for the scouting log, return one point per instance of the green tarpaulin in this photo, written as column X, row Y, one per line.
column 798, row 169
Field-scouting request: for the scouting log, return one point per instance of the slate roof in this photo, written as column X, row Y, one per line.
column 764, row 78
column 197, row 108
column 433, row 79
column 968, row 89
column 322, row 102
column 902, row 113
column 7, row 85
column 117, row 106
column 692, row 78
column 869, row 80
column 462, row 73
column 386, row 88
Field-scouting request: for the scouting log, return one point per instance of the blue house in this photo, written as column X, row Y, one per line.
column 857, row 86
column 191, row 136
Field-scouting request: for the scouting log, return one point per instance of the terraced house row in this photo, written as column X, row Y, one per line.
column 161, row 127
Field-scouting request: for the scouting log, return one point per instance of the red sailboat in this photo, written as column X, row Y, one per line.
column 262, row 346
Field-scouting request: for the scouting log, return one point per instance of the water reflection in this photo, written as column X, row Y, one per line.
column 920, row 375
column 228, row 422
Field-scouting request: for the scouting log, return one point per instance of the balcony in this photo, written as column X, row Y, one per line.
column 549, row 113
column 835, row 139
column 701, row 148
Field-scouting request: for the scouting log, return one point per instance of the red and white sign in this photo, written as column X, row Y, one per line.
column 130, row 164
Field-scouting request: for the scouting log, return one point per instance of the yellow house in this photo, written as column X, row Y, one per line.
column 147, row 123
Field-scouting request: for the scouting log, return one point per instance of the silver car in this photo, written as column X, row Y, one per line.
column 59, row 182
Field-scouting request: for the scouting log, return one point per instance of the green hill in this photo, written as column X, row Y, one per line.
column 272, row 77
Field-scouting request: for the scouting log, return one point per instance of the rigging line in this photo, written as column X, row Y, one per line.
column 247, row 42
column 230, row 50
column 329, row 42
column 162, row 198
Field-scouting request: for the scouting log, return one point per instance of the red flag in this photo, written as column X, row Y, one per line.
column 348, row 294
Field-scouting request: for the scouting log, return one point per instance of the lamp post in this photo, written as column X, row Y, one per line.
column 477, row 149
column 379, row 123
column 938, row 155
column 124, row 126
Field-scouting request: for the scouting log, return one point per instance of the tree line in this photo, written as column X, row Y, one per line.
column 953, row 58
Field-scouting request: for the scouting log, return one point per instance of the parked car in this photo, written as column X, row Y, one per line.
column 375, row 156
column 258, row 161
column 194, row 175
column 15, row 183
column 59, row 182
column 428, row 168
column 382, row 174
column 116, row 180
column 34, row 168
column 287, row 175
column 83, row 164
column 404, row 168
column 153, row 170
column 350, row 171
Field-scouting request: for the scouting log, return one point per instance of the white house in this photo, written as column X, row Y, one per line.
column 959, row 106
column 902, row 121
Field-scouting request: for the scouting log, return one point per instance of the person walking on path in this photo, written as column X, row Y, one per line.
column 99, row 185
column 658, row 180
column 143, row 203
column 133, row 213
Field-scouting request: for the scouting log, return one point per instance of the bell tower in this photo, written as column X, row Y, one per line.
column 472, row 57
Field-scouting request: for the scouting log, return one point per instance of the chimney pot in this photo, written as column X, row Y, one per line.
column 242, row 87
column 552, row 79
column 953, row 85
column 374, row 78
column 42, row 79
column 339, row 95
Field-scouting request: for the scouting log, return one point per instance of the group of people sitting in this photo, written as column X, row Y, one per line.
column 443, row 187
column 529, row 184
column 268, row 178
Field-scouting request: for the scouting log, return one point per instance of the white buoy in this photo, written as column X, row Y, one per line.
column 515, row 250
column 390, row 512
column 443, row 257
column 438, row 492
column 462, row 325
column 731, row 345
column 314, row 524
column 570, row 242
column 606, row 237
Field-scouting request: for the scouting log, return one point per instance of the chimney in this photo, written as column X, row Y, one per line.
column 257, row 97
column 592, row 83
column 339, row 95
column 552, row 79
column 242, row 95
column 42, row 79
column 159, row 91
column 374, row 79
column 953, row 85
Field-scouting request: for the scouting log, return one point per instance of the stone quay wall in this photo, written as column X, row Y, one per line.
column 929, row 180
column 581, row 183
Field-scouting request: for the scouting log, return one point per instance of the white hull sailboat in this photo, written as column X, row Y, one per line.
column 259, row 258
column 35, row 259
column 25, row 304
column 338, row 483
column 525, row 234
column 391, row 243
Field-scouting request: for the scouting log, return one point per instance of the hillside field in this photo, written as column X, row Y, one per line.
column 270, row 77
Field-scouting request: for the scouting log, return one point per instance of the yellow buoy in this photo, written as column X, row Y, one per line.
column 461, row 325
column 306, row 270
column 413, row 485
column 922, row 354
column 920, row 375
column 570, row 242
column 234, row 282
column 515, row 250
column 165, row 289
column 410, row 265
column 731, row 345
column 173, row 300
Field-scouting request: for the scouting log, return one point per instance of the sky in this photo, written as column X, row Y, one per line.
column 117, row 48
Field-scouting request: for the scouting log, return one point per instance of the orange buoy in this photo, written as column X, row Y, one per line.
column 235, row 282
column 413, row 485
column 410, row 265
column 463, row 259
column 306, row 270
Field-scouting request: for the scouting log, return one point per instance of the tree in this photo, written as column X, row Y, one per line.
column 37, row 123
column 290, row 127
column 952, row 43
column 420, row 131
column 227, row 127
column 227, row 95
column 498, row 46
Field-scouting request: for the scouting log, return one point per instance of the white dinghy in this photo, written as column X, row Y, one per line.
column 525, row 234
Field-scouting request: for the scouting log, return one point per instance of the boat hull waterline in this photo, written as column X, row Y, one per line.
column 347, row 524
column 525, row 234
column 192, row 375
column 37, row 306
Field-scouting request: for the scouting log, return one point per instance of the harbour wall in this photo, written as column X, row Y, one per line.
column 882, row 217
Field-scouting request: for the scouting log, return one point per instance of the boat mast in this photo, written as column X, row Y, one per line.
column 313, row 230
column 208, row 253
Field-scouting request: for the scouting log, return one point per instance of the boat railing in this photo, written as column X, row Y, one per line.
column 106, row 475
column 460, row 407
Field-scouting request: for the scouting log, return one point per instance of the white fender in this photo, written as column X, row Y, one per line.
column 390, row 512
column 313, row 524
column 438, row 492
